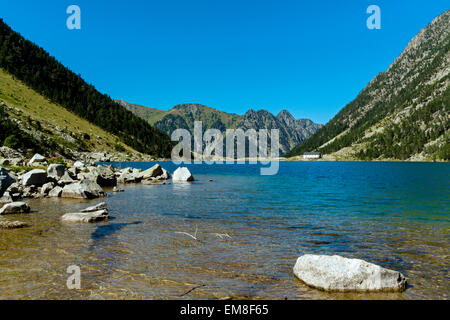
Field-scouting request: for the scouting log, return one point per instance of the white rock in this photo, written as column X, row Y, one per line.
column 79, row 165
column 15, row 207
column 6, row 198
column 85, row 189
column 97, row 207
column 55, row 192
column 65, row 179
column 36, row 177
column 36, row 159
column 86, row 217
column 335, row 273
column 56, row 171
column 182, row 174
column 46, row 188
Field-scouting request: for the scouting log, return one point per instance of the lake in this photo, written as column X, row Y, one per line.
column 250, row 230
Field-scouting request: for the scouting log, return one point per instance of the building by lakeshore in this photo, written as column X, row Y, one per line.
column 312, row 155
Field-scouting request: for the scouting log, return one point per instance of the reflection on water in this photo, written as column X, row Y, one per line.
column 392, row 214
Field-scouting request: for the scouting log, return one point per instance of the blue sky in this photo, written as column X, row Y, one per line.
column 309, row 57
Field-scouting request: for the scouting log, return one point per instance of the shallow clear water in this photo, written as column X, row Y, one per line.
column 392, row 214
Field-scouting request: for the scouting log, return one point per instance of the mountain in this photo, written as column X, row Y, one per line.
column 42, row 73
column 403, row 113
column 292, row 132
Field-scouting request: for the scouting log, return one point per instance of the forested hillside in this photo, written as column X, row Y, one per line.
column 404, row 113
column 44, row 74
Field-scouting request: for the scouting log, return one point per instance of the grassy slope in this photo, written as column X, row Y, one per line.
column 28, row 103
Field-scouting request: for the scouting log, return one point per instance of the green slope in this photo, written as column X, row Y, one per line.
column 30, row 121
column 44, row 74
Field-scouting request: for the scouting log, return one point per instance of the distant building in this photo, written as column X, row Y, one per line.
column 312, row 155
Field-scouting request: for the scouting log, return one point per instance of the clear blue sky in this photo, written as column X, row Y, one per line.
column 310, row 57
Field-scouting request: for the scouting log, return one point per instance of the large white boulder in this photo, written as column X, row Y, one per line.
column 36, row 177
column 336, row 273
column 85, row 189
column 15, row 207
column 182, row 174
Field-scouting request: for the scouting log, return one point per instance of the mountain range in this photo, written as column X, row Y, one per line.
column 403, row 113
column 292, row 131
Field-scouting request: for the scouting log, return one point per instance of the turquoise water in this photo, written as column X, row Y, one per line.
column 392, row 214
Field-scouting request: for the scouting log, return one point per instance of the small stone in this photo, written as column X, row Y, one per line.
column 116, row 189
column 15, row 207
column 4, row 224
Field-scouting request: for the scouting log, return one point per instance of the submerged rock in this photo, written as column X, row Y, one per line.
column 86, row 217
column 96, row 213
column 182, row 174
column 36, row 177
column 335, row 273
column 85, row 189
column 97, row 207
column 116, row 189
column 15, row 207
column 5, row 224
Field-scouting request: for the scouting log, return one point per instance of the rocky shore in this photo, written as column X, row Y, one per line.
column 38, row 177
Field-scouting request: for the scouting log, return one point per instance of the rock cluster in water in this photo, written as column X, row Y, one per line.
column 77, row 181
